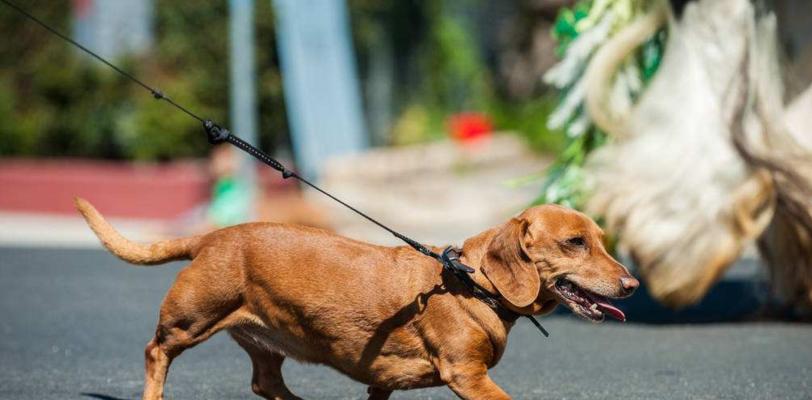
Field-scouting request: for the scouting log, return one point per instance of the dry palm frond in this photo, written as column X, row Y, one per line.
column 672, row 185
column 786, row 245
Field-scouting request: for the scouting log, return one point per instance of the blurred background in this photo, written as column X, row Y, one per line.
column 441, row 118
column 363, row 77
column 684, row 127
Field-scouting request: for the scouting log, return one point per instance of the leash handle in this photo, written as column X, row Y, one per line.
column 217, row 134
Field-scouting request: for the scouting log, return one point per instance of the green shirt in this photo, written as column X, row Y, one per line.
column 230, row 202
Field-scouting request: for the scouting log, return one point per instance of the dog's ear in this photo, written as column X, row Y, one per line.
column 507, row 265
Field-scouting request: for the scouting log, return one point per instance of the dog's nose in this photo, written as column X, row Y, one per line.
column 629, row 284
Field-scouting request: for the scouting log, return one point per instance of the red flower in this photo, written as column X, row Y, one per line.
column 469, row 126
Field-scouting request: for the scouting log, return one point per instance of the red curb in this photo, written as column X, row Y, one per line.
column 122, row 189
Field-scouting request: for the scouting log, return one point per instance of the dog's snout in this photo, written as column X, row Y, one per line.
column 628, row 285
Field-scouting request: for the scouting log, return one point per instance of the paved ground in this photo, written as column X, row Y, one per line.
column 74, row 323
column 65, row 231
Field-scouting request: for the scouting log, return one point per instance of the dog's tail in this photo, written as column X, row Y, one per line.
column 132, row 252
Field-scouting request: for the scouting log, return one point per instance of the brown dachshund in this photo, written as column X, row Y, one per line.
column 385, row 316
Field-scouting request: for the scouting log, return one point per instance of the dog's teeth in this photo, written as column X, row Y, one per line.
column 594, row 307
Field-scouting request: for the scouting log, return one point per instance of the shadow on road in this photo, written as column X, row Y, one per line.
column 727, row 301
column 100, row 396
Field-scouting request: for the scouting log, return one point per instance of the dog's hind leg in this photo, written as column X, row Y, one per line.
column 378, row 393
column 156, row 365
column 267, row 380
column 197, row 306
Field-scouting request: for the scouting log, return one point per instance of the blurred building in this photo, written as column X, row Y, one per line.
column 113, row 27
column 320, row 79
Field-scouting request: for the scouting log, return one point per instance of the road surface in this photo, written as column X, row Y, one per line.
column 74, row 324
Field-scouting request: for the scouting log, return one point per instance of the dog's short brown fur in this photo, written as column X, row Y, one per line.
column 385, row 316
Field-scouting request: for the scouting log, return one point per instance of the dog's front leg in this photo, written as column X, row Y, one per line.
column 475, row 384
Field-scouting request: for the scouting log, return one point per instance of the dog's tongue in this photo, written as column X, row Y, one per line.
column 607, row 307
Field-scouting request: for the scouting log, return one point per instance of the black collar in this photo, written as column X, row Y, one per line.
column 506, row 314
column 450, row 259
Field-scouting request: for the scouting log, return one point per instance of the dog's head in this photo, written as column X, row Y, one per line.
column 550, row 254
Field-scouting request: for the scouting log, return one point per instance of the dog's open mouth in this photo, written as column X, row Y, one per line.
column 586, row 304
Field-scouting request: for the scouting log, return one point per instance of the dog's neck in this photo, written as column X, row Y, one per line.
column 474, row 250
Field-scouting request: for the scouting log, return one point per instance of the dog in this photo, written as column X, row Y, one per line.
column 388, row 317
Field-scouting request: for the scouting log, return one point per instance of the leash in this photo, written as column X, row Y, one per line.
column 217, row 134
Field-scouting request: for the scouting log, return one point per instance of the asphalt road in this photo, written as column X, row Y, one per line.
column 74, row 324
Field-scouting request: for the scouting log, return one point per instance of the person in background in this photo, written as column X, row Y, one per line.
column 231, row 197
column 232, row 201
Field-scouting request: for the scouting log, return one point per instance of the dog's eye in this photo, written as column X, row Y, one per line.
column 577, row 241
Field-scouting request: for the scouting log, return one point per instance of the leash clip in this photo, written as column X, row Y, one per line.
column 451, row 260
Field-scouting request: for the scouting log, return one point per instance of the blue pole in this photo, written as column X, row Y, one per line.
column 243, row 87
column 322, row 93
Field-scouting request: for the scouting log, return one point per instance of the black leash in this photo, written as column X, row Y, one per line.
column 216, row 134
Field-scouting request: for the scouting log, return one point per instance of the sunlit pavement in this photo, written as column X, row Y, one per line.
column 74, row 324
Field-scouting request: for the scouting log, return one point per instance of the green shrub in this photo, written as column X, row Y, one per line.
column 55, row 101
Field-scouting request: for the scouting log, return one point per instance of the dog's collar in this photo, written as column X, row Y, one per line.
column 506, row 314
column 450, row 259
